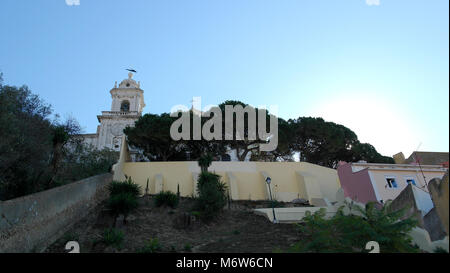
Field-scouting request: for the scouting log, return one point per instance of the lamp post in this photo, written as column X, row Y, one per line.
column 268, row 180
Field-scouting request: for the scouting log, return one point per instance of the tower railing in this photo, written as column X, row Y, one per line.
column 120, row 113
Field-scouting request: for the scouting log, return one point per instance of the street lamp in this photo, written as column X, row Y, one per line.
column 268, row 180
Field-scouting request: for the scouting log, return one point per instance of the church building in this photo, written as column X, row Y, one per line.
column 126, row 108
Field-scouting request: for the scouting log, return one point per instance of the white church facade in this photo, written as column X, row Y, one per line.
column 126, row 108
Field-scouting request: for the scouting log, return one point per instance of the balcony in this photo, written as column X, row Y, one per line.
column 120, row 113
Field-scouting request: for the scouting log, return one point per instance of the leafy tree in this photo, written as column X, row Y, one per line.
column 197, row 149
column 63, row 139
column 284, row 150
column 81, row 161
column 320, row 142
column 37, row 153
column 365, row 151
column 25, row 146
column 152, row 134
column 247, row 145
column 326, row 143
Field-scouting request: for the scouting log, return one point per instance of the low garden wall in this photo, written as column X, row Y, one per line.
column 244, row 180
column 32, row 222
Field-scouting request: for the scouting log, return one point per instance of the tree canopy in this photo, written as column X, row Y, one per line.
column 151, row 133
column 326, row 143
column 37, row 152
column 314, row 139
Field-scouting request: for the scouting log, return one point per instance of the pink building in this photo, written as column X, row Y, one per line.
column 356, row 185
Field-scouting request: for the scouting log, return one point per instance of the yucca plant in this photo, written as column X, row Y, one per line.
column 166, row 198
column 205, row 161
column 122, row 204
column 127, row 186
column 211, row 195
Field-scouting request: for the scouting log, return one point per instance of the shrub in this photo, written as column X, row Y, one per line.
column 211, row 195
column 152, row 246
column 113, row 237
column 188, row 247
column 173, row 248
column 123, row 197
column 127, row 186
column 276, row 204
column 122, row 203
column 350, row 233
column 196, row 213
column 439, row 250
column 166, row 198
column 70, row 236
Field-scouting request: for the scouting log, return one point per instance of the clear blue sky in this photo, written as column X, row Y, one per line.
column 381, row 70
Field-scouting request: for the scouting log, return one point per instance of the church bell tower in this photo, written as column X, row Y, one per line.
column 126, row 107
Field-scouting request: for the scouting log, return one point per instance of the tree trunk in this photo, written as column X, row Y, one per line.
column 56, row 160
column 244, row 155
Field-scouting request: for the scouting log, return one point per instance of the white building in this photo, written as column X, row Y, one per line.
column 126, row 107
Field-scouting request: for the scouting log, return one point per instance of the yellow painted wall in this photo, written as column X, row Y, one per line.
column 248, row 178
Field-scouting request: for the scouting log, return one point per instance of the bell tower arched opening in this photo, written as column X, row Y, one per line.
column 125, row 106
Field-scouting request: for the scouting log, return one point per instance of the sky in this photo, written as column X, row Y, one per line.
column 379, row 67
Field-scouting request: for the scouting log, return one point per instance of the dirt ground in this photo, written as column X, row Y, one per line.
column 237, row 229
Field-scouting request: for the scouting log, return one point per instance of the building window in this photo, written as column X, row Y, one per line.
column 391, row 183
column 125, row 106
column 410, row 180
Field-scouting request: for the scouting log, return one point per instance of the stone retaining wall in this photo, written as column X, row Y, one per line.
column 32, row 222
